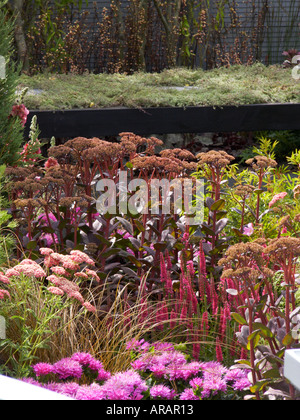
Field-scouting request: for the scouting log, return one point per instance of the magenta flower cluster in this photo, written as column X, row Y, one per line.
column 72, row 368
column 204, row 380
column 152, row 376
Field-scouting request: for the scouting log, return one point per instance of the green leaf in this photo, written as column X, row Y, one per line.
column 287, row 340
column 31, row 245
column 238, row 318
column 129, row 165
column 244, row 362
column 259, row 386
column 207, row 230
column 218, row 205
column 254, row 338
column 272, row 373
column 265, row 331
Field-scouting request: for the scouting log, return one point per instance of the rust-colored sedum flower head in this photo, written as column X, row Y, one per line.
column 244, row 191
column 150, row 143
column 261, row 162
column 161, row 164
column 244, row 260
column 217, row 159
column 82, row 143
column 283, row 249
column 177, row 153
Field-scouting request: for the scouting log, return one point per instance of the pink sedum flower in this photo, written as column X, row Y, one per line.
column 4, row 279
column 56, row 291
column 4, row 294
column 277, row 197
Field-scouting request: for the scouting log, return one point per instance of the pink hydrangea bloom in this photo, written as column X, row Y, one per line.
column 277, row 197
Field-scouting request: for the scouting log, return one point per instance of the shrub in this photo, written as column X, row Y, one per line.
column 11, row 130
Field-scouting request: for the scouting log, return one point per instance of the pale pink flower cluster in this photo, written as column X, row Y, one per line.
column 63, row 266
column 277, row 197
column 27, row 267
column 4, row 294
column 4, row 279
column 80, row 257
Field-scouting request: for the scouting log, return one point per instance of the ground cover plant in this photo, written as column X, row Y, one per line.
column 236, row 85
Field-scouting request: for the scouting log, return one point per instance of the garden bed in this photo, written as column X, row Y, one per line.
column 235, row 86
column 238, row 98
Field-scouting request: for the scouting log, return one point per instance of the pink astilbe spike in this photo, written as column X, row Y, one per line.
column 223, row 323
column 168, row 261
column 183, row 313
column 219, row 353
column 213, row 297
column 204, row 324
column 202, row 279
column 165, row 277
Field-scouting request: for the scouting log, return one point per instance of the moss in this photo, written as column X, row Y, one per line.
column 235, row 85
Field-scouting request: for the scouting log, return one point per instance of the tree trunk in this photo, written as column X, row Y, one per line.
column 16, row 6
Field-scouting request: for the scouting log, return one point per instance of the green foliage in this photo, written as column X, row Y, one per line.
column 237, row 85
column 31, row 316
column 7, row 225
column 10, row 128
